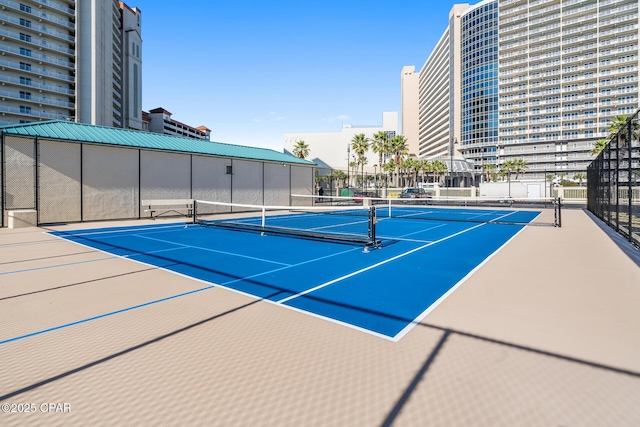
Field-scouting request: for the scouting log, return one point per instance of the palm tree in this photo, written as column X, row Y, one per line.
column 340, row 177
column 399, row 150
column 301, row 149
column 380, row 145
column 598, row 146
column 388, row 168
column 360, row 144
column 616, row 125
column 519, row 166
column 490, row 171
column 507, row 168
column 362, row 161
column 412, row 166
column 425, row 166
column 439, row 167
column 580, row 177
column 354, row 170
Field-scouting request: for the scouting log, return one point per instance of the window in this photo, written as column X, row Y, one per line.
column 25, row 37
column 25, row 8
column 25, row 66
column 229, row 170
column 25, row 51
column 25, row 23
column 25, row 81
column 25, row 109
column 25, row 95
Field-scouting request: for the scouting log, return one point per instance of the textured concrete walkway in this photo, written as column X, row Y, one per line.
column 544, row 334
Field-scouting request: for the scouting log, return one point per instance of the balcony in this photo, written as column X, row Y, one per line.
column 41, row 100
column 37, row 85
column 505, row 12
column 34, row 42
column 618, row 10
column 544, row 11
column 38, row 14
column 38, row 57
column 55, row 6
column 577, row 10
column 39, row 28
column 32, row 113
column 37, row 71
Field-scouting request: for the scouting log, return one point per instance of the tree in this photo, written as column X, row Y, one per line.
column 362, row 161
column 580, row 177
column 399, row 150
column 354, row 170
column 301, row 149
column 616, row 125
column 519, row 166
column 425, row 166
column 439, row 167
column 388, row 168
column 598, row 146
column 340, row 177
column 490, row 171
column 412, row 166
column 380, row 145
column 360, row 144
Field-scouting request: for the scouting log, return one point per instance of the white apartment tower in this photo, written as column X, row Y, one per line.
column 67, row 60
column 538, row 80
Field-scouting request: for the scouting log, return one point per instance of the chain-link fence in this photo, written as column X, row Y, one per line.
column 613, row 181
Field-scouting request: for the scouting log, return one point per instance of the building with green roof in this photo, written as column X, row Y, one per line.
column 70, row 172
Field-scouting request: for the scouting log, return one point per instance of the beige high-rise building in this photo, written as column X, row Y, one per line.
column 70, row 60
column 409, row 80
column 537, row 80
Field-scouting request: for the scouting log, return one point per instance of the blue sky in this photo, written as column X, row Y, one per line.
column 253, row 70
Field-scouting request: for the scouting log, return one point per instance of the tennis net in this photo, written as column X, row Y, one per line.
column 540, row 211
column 352, row 224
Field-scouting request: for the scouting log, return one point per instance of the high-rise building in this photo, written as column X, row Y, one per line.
column 409, row 81
column 70, row 60
column 537, row 80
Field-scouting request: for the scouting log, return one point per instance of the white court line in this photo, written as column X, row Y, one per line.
column 339, row 279
column 419, row 248
column 444, row 296
column 212, row 250
column 138, row 228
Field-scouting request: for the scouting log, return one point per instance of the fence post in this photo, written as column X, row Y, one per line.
column 629, row 181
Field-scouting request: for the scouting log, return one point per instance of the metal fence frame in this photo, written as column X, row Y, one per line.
column 613, row 182
column 14, row 172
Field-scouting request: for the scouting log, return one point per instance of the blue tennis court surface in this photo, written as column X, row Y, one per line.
column 383, row 291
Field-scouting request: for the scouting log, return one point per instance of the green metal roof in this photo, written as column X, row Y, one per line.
column 80, row 132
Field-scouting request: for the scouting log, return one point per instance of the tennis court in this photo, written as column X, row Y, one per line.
column 326, row 269
column 533, row 336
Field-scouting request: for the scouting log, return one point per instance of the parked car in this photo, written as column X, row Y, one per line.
column 415, row 193
column 358, row 196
